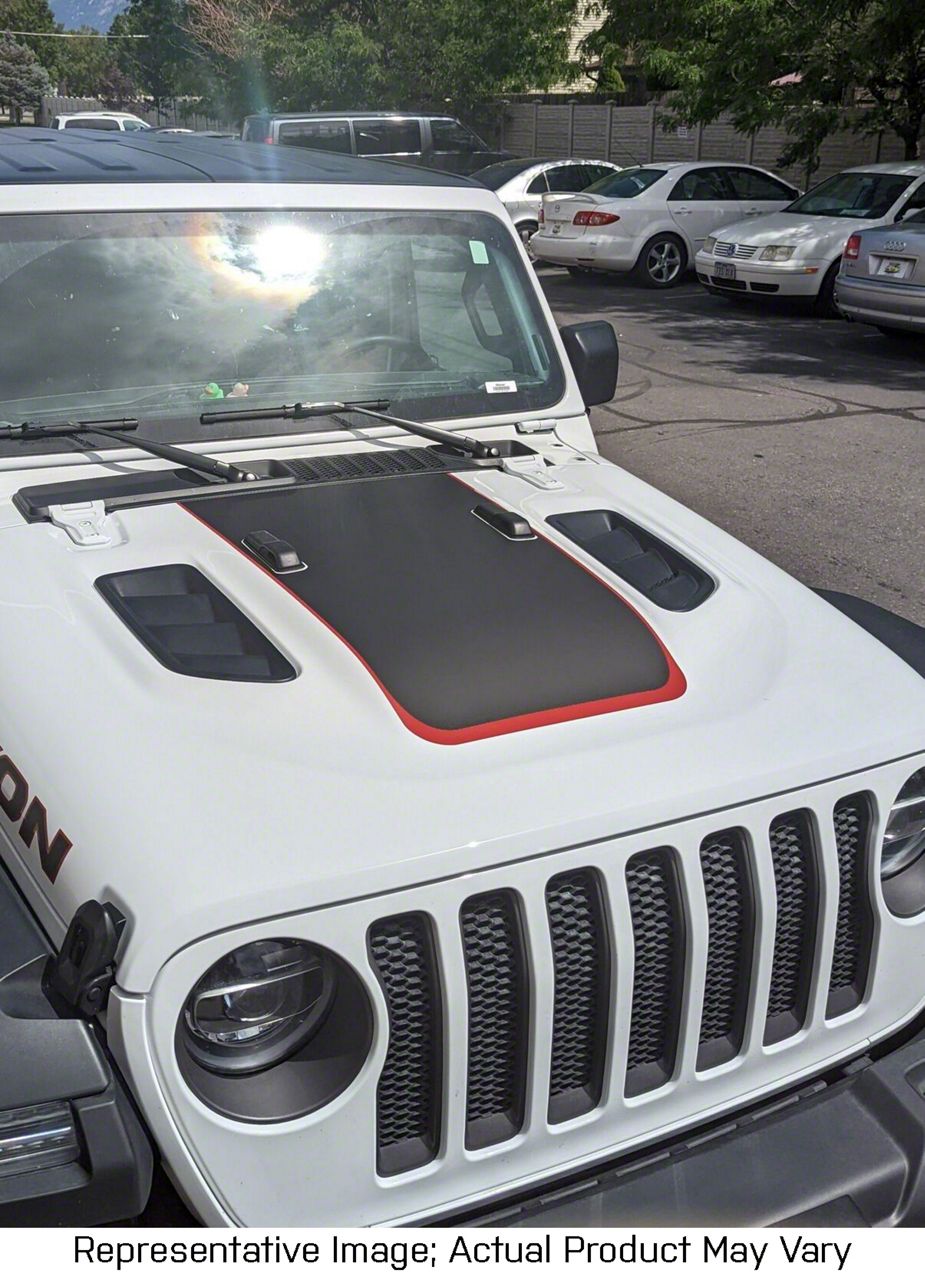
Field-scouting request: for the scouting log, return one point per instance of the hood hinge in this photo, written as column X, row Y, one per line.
column 77, row 980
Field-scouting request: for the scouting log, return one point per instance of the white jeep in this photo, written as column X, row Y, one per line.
column 405, row 812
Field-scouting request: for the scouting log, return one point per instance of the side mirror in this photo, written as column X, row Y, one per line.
column 594, row 355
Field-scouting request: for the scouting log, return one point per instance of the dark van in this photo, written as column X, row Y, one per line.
column 439, row 142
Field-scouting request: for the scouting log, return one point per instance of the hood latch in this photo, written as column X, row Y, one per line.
column 77, row 980
column 83, row 522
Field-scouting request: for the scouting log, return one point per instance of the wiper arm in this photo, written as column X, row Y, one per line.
column 369, row 408
column 114, row 429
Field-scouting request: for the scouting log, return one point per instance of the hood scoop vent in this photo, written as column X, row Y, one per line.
column 655, row 569
column 191, row 627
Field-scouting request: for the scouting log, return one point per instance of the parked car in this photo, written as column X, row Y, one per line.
column 796, row 253
column 439, row 142
column 882, row 277
column 521, row 184
column 108, row 121
column 460, row 820
column 652, row 219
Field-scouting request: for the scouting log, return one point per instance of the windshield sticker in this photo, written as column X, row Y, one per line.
column 500, row 388
column 479, row 253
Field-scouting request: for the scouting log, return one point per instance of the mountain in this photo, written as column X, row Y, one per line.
column 86, row 13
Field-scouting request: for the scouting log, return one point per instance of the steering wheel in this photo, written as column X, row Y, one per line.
column 394, row 343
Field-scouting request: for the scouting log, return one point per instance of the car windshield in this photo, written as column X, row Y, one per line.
column 159, row 315
column 625, row 184
column 494, row 176
column 853, row 195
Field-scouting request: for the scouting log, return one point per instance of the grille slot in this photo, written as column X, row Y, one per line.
column 496, row 977
column 409, row 1092
column 359, row 466
column 658, row 973
column 730, row 899
column 796, row 879
column 728, row 249
column 581, row 965
column 855, row 923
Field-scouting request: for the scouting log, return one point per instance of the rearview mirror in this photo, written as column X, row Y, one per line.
column 594, row 355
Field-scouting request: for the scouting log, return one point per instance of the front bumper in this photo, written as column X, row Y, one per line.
column 799, row 279
column 872, row 302
column 844, row 1152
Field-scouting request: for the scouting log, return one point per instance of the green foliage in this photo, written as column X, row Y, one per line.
column 23, row 81
column 724, row 55
column 165, row 64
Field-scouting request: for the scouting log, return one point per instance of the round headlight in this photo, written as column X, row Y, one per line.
column 904, row 839
column 258, row 1004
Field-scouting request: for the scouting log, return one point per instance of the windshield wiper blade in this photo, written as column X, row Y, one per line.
column 114, row 429
column 369, row 408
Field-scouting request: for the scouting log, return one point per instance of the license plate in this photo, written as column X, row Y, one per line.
column 895, row 268
column 724, row 271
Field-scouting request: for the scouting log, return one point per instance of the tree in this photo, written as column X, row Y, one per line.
column 23, row 82
column 379, row 53
column 82, row 65
column 813, row 66
column 165, row 63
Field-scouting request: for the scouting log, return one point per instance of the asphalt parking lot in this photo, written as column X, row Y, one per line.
column 803, row 437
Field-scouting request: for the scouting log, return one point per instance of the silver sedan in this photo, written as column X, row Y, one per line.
column 521, row 185
column 882, row 277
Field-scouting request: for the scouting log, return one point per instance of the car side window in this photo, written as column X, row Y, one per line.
column 701, row 184
column 566, row 177
column 450, row 135
column 752, row 184
column 318, row 135
column 387, row 137
column 133, row 126
column 596, row 171
column 538, row 185
column 110, row 126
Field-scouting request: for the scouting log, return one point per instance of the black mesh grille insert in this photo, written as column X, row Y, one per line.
column 658, row 974
column 408, row 1096
column 730, row 913
column 581, row 964
column 796, row 879
column 358, row 466
column 854, row 926
column 497, row 982
column 190, row 626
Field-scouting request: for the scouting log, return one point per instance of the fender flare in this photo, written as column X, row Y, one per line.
column 906, row 639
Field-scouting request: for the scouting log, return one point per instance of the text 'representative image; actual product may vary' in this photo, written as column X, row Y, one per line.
column 458, row 814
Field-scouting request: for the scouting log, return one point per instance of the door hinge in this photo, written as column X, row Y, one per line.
column 83, row 522
column 77, row 980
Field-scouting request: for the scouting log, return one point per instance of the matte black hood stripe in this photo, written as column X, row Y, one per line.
column 467, row 634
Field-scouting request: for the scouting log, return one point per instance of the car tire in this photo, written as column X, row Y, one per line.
column 662, row 262
column 525, row 230
column 825, row 299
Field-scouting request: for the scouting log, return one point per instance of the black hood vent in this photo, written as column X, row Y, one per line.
column 191, row 627
column 654, row 568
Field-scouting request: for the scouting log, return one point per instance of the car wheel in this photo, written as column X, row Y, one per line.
column 662, row 262
column 825, row 298
column 525, row 230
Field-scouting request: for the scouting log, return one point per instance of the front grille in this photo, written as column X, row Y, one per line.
column 658, row 974
column 727, row 249
column 581, row 964
column 855, row 921
column 408, row 1096
column 497, row 982
column 729, row 893
column 796, row 880
column 612, row 980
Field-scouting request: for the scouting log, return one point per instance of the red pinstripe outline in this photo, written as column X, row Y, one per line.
column 674, row 686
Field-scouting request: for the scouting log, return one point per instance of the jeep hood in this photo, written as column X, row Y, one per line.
column 460, row 697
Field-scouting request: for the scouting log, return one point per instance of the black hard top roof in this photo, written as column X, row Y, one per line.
column 31, row 155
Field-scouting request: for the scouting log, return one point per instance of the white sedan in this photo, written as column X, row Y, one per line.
column 652, row 219
column 797, row 253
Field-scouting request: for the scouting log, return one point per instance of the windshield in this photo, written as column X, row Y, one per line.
column 625, row 184
column 161, row 315
column 853, row 195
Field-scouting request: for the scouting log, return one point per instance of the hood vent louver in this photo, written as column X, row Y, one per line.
column 660, row 573
column 191, row 627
